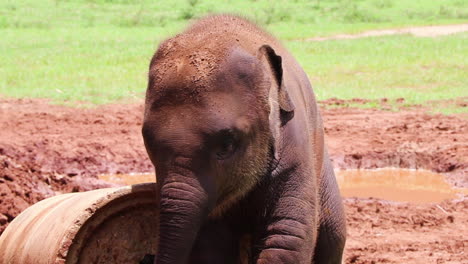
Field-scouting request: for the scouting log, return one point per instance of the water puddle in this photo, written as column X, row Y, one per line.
column 403, row 185
column 128, row 179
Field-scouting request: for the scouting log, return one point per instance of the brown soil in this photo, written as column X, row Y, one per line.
column 409, row 138
column 386, row 232
column 49, row 149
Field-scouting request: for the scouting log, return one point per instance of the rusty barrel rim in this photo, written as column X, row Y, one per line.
column 47, row 232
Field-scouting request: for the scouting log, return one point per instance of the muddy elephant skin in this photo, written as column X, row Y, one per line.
column 232, row 126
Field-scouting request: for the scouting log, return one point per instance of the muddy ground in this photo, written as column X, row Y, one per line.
column 48, row 149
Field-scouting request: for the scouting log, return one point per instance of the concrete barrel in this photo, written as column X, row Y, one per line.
column 114, row 225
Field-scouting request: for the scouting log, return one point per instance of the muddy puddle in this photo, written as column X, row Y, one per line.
column 128, row 179
column 402, row 185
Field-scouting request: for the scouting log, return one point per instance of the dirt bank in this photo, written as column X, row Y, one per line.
column 386, row 232
column 411, row 138
column 49, row 149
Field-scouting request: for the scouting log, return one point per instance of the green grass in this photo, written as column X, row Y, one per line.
column 97, row 65
column 305, row 17
column 417, row 69
column 97, row 51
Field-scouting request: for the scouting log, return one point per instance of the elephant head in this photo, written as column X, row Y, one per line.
column 212, row 123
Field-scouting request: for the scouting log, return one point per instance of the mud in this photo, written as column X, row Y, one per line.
column 387, row 232
column 392, row 184
column 47, row 149
column 408, row 138
column 400, row 185
column 128, row 179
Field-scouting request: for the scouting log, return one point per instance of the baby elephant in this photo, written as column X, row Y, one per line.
column 232, row 127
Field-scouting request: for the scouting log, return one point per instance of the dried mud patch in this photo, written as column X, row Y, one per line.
column 50, row 149
column 388, row 232
column 412, row 138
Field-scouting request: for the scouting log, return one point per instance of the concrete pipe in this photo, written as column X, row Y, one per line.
column 114, row 225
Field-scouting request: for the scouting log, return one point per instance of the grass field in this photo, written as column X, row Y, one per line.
column 98, row 51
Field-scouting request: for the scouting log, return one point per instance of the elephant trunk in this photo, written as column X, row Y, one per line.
column 183, row 205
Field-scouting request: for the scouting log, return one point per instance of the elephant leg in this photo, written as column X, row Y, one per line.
column 332, row 229
column 286, row 232
column 215, row 243
column 329, row 246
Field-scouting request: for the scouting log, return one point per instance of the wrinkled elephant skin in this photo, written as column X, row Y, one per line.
column 232, row 126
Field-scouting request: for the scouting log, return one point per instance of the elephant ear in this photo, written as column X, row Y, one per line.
column 278, row 93
column 281, row 106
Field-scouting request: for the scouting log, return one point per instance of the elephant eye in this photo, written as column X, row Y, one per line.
column 227, row 145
